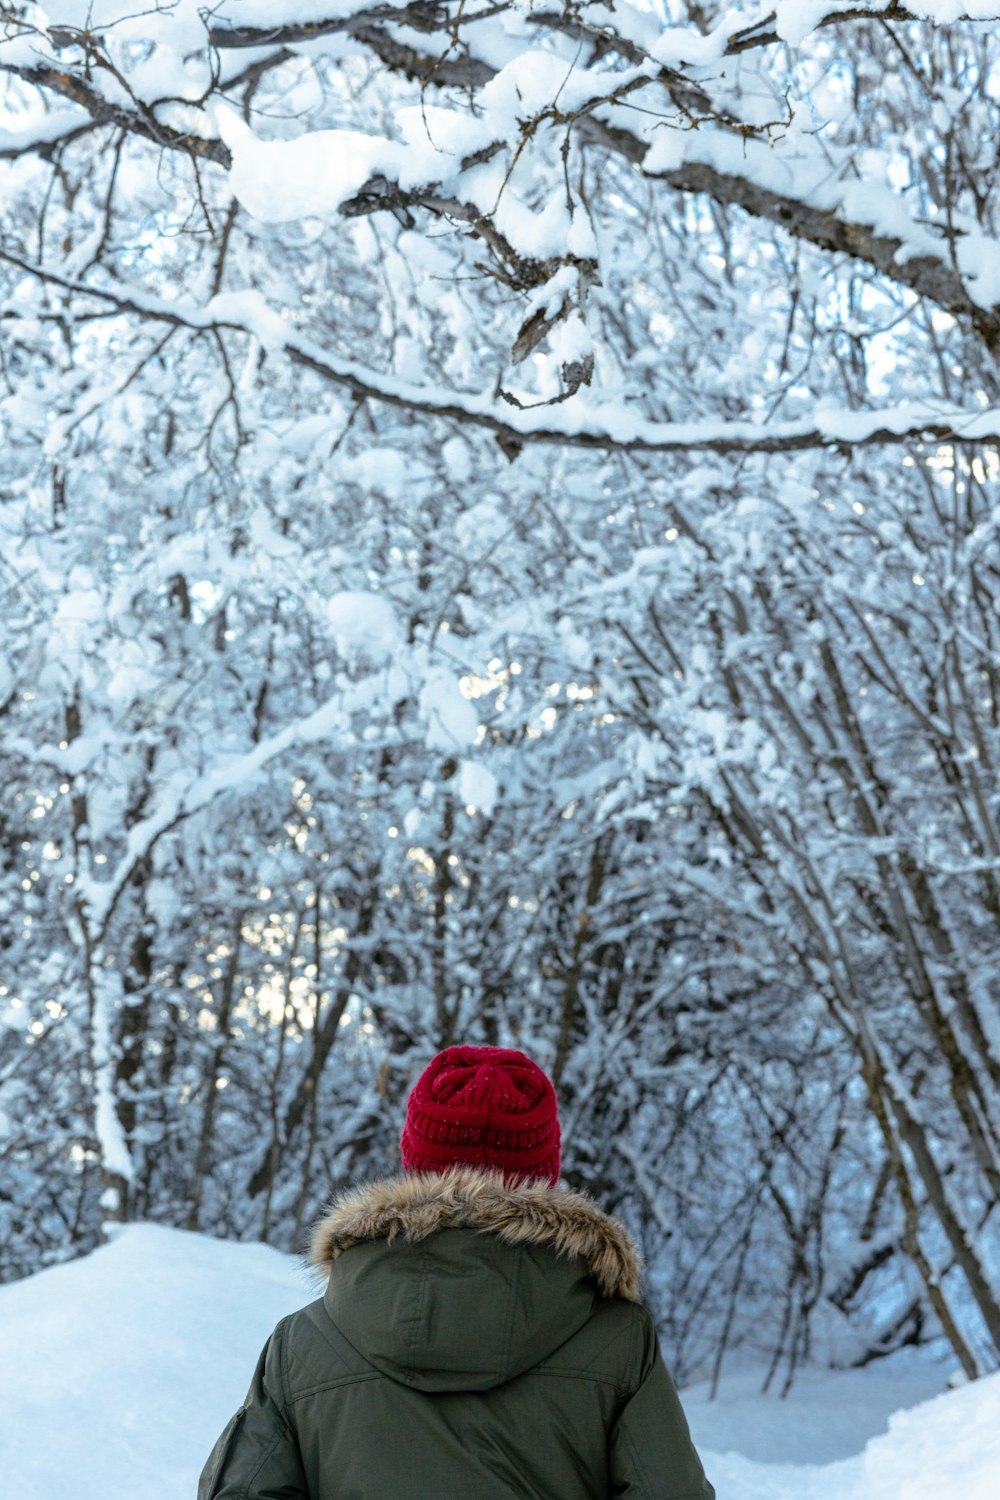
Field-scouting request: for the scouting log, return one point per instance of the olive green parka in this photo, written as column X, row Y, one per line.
column 475, row 1341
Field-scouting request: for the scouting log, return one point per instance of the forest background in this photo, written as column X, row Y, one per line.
column 499, row 511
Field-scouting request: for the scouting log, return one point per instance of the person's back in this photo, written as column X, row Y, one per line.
column 480, row 1336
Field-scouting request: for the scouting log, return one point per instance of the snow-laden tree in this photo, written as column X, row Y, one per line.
column 500, row 541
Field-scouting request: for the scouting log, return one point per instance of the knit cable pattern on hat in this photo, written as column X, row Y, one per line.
column 486, row 1107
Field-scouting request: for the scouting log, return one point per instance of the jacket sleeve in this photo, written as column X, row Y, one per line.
column 651, row 1455
column 257, row 1456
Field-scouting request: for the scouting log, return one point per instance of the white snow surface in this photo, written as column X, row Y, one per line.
column 477, row 786
column 121, row 1368
column 364, row 625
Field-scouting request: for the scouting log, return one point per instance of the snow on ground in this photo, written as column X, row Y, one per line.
column 120, row 1369
column 851, row 1435
column 829, row 1415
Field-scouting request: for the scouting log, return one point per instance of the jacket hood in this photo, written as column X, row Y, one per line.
column 460, row 1281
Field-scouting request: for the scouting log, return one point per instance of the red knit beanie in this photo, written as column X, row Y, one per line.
column 483, row 1107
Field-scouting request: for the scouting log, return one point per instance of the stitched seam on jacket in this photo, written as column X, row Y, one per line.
column 283, row 1411
column 332, row 1385
column 621, row 1333
column 245, row 1495
column 322, row 1325
column 511, row 1301
column 557, row 1373
column 640, row 1467
column 418, row 1317
column 323, row 1322
column 633, row 1355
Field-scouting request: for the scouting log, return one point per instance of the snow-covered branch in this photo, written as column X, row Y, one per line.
column 576, row 423
column 657, row 110
column 185, row 796
column 134, row 117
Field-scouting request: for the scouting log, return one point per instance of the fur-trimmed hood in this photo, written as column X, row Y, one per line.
column 417, row 1205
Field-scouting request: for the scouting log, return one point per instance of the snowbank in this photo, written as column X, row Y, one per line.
column 120, row 1369
column 840, row 1436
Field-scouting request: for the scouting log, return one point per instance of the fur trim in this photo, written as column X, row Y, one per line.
column 420, row 1203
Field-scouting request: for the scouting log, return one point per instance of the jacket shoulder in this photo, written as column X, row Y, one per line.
column 315, row 1355
column 611, row 1347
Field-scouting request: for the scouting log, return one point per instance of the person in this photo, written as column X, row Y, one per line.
column 480, row 1334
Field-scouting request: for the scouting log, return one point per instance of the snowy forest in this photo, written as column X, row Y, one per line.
column 500, row 509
